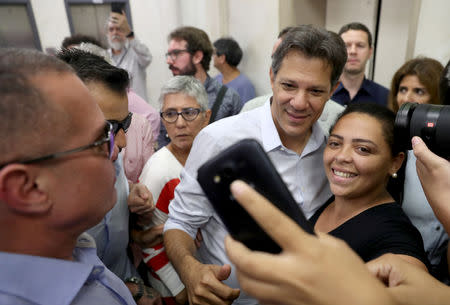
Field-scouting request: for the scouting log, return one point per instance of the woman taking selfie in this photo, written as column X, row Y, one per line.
column 359, row 160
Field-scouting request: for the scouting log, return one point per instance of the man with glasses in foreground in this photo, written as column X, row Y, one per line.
column 56, row 181
column 189, row 53
column 108, row 86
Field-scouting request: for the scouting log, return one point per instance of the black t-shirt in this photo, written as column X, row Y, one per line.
column 379, row 230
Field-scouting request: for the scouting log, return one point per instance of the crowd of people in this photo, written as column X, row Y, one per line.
column 99, row 199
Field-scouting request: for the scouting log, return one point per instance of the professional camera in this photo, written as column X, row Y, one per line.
column 430, row 122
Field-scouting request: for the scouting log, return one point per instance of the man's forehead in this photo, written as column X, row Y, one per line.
column 177, row 42
column 355, row 35
column 316, row 66
column 112, row 26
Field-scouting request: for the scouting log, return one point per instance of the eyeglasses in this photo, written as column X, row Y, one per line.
column 189, row 114
column 108, row 137
column 175, row 53
column 124, row 124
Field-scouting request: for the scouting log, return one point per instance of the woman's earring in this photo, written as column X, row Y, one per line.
column 394, row 175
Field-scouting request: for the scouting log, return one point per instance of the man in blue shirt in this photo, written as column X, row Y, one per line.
column 227, row 56
column 354, row 86
column 56, row 181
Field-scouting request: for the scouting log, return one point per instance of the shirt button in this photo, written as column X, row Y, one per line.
column 438, row 228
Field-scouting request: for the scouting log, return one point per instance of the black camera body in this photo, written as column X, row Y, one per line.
column 430, row 122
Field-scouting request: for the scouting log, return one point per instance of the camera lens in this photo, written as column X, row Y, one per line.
column 430, row 122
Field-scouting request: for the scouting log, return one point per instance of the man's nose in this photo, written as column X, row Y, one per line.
column 169, row 60
column 352, row 48
column 300, row 100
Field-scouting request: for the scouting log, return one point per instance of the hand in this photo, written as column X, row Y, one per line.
column 148, row 238
column 434, row 174
column 121, row 21
column 309, row 270
column 408, row 284
column 140, row 201
column 204, row 285
column 149, row 297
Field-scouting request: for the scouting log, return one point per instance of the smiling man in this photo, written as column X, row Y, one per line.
column 305, row 69
column 355, row 87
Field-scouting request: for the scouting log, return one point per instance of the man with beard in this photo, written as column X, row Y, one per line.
column 189, row 53
column 127, row 52
column 354, row 86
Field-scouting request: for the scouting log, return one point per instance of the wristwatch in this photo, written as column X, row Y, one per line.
column 140, row 283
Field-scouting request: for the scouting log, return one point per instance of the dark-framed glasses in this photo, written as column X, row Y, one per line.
column 124, row 124
column 106, row 144
column 189, row 114
column 175, row 53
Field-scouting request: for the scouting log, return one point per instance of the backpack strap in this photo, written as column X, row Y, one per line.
column 218, row 103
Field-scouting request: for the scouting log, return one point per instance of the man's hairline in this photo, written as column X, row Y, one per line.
column 367, row 35
column 301, row 53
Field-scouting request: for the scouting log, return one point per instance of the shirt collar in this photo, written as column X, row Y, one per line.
column 271, row 139
column 42, row 280
column 367, row 85
column 269, row 132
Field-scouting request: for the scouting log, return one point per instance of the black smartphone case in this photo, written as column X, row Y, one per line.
column 246, row 160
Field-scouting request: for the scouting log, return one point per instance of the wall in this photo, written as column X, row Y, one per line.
column 397, row 37
column 433, row 31
column 293, row 12
column 51, row 21
column 256, row 31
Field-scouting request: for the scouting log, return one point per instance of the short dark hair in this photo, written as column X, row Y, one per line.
column 26, row 113
column 356, row 26
column 283, row 32
column 427, row 70
column 197, row 40
column 78, row 39
column 444, row 85
column 93, row 68
column 313, row 42
column 230, row 48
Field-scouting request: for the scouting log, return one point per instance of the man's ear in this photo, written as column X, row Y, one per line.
column 272, row 78
column 222, row 59
column 197, row 57
column 20, row 191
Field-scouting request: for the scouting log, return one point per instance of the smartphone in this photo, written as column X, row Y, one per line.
column 246, row 160
column 117, row 7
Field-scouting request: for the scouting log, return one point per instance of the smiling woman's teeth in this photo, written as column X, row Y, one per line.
column 342, row 174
